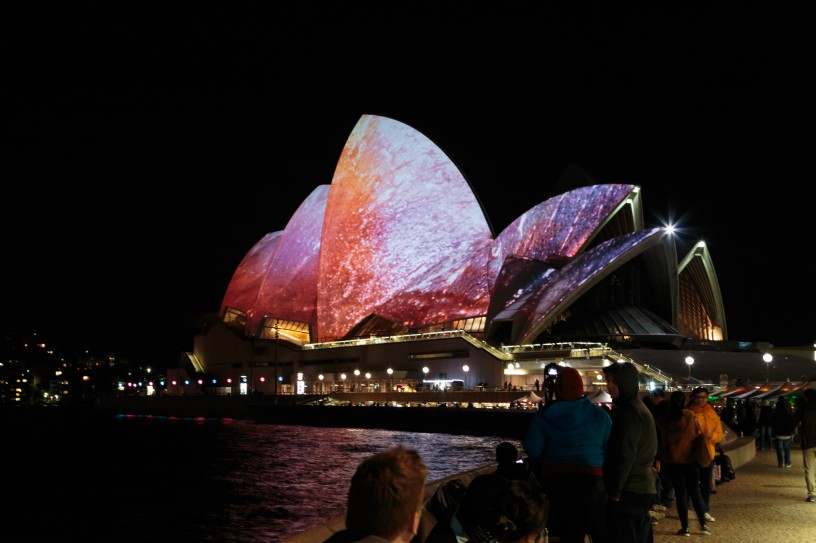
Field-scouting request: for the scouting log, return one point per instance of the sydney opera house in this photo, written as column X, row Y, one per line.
column 391, row 278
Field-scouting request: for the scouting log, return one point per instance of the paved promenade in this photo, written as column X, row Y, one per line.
column 762, row 504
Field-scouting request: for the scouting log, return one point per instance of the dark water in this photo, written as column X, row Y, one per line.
column 159, row 479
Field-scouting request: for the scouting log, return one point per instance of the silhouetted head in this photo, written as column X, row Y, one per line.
column 506, row 452
column 677, row 399
column 658, row 395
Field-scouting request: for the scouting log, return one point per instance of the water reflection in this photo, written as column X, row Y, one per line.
column 145, row 479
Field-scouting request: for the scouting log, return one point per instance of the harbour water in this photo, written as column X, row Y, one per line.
column 169, row 479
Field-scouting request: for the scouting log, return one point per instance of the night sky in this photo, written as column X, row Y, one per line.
column 143, row 159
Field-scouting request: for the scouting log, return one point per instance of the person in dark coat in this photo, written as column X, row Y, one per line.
column 765, row 421
column 747, row 416
column 729, row 416
column 806, row 419
column 495, row 509
column 628, row 469
column 782, row 425
column 665, row 491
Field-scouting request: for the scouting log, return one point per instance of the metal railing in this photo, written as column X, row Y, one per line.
column 577, row 350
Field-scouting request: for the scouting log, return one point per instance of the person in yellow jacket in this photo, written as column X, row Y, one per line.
column 711, row 427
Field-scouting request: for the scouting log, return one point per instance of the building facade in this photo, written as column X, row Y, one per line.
column 393, row 266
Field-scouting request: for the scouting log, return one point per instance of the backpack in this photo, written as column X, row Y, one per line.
column 728, row 472
column 446, row 498
column 723, row 465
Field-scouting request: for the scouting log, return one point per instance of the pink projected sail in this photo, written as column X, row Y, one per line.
column 278, row 277
column 404, row 236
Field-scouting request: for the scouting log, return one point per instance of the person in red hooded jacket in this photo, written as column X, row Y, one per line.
column 566, row 442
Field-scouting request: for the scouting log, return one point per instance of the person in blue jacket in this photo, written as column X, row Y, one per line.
column 566, row 442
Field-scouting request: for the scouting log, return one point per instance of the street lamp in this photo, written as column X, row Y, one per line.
column 343, row 382
column 368, row 384
column 768, row 358
column 689, row 361
column 466, row 369
column 390, row 373
column 277, row 337
column 320, row 377
column 425, row 371
column 356, row 382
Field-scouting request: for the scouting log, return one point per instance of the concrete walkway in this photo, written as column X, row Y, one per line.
column 763, row 503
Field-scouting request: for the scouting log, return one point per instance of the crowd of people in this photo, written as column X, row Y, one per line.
column 775, row 425
column 588, row 471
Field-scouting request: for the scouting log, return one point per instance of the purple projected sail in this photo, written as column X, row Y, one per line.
column 580, row 274
column 556, row 229
column 519, row 280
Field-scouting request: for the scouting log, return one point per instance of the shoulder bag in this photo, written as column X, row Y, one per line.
column 702, row 452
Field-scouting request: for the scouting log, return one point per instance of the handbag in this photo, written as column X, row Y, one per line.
column 702, row 452
column 717, row 473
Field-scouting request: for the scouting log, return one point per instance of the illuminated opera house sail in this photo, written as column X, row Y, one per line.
column 398, row 245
